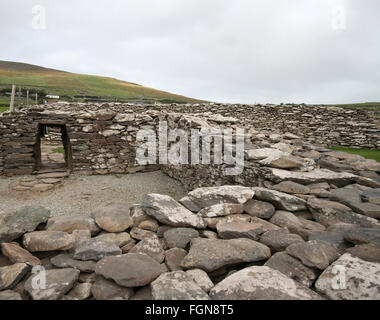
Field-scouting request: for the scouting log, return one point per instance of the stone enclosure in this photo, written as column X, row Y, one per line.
column 299, row 222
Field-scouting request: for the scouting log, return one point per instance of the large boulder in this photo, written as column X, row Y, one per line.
column 350, row 278
column 14, row 223
column 205, row 197
column 177, row 285
column 168, row 211
column 213, row 254
column 48, row 241
column 113, row 217
column 130, row 270
column 261, row 283
column 56, row 284
column 280, row 200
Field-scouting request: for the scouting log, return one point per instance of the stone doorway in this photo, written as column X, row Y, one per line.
column 52, row 149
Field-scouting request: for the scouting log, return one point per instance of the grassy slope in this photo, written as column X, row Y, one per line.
column 70, row 84
column 369, row 154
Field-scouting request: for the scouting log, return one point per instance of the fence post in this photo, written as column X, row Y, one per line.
column 36, row 98
column 11, row 106
column 19, row 96
column 27, row 98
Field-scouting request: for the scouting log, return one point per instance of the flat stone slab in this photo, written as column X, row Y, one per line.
column 11, row 275
column 233, row 230
column 261, row 283
column 103, row 289
column 113, row 217
column 130, row 270
column 65, row 260
column 70, row 223
column 350, row 278
column 52, row 175
column 212, row 254
column 17, row 254
column 40, row 241
column 95, row 250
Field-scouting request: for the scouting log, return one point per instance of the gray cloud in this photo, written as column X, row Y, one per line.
column 230, row 51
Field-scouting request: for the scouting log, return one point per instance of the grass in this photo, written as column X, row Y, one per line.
column 3, row 109
column 59, row 150
column 366, row 153
column 72, row 84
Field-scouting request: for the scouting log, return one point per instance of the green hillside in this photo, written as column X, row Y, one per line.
column 76, row 87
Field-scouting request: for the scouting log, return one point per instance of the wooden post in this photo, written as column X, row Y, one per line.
column 11, row 106
column 19, row 96
column 36, row 98
column 27, row 98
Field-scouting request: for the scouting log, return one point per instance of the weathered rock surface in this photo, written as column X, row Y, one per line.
column 9, row 295
column 212, row 254
column 367, row 252
column 150, row 246
column 174, row 257
column 293, row 268
column 314, row 253
column 180, row 237
column 233, row 230
column 14, row 223
column 70, row 223
column 350, row 278
column 201, row 278
column 221, row 210
column 261, row 283
column 11, row 275
column 48, row 241
column 205, row 197
column 363, row 235
column 129, row 270
column 65, row 260
column 119, row 239
column 260, row 209
column 81, row 291
column 291, row 187
column 95, row 250
column 113, row 217
column 280, row 200
column 57, row 283
column 177, row 285
column 17, row 254
column 103, row 289
column 279, row 240
column 168, row 211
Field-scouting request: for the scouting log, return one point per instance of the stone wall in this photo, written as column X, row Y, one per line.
column 103, row 136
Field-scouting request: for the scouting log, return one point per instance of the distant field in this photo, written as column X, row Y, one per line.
column 372, row 106
column 366, row 153
column 68, row 85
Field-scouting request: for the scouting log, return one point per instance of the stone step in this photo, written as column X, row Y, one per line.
column 52, row 175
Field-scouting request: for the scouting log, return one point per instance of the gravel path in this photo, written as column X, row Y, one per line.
column 81, row 194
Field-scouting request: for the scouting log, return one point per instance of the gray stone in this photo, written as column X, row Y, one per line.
column 361, row 279
column 261, row 283
column 95, row 250
column 265, row 224
column 14, row 223
column 280, row 200
column 363, row 235
column 118, row 239
column 279, row 240
column 129, row 270
column 81, row 291
column 103, row 289
column 293, row 268
column 57, row 283
column 168, row 211
column 260, row 209
column 335, row 239
column 366, row 208
column 233, row 230
column 314, row 253
column 177, row 285
column 221, row 210
column 345, row 195
column 285, row 219
column 16, row 254
column 65, row 260
column 213, row 222
column 367, row 252
column 372, row 196
column 213, row 254
column 179, row 237
column 291, row 187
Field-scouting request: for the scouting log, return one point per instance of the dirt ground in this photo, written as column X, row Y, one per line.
column 81, row 194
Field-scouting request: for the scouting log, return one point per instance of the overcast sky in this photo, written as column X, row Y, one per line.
column 244, row 51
